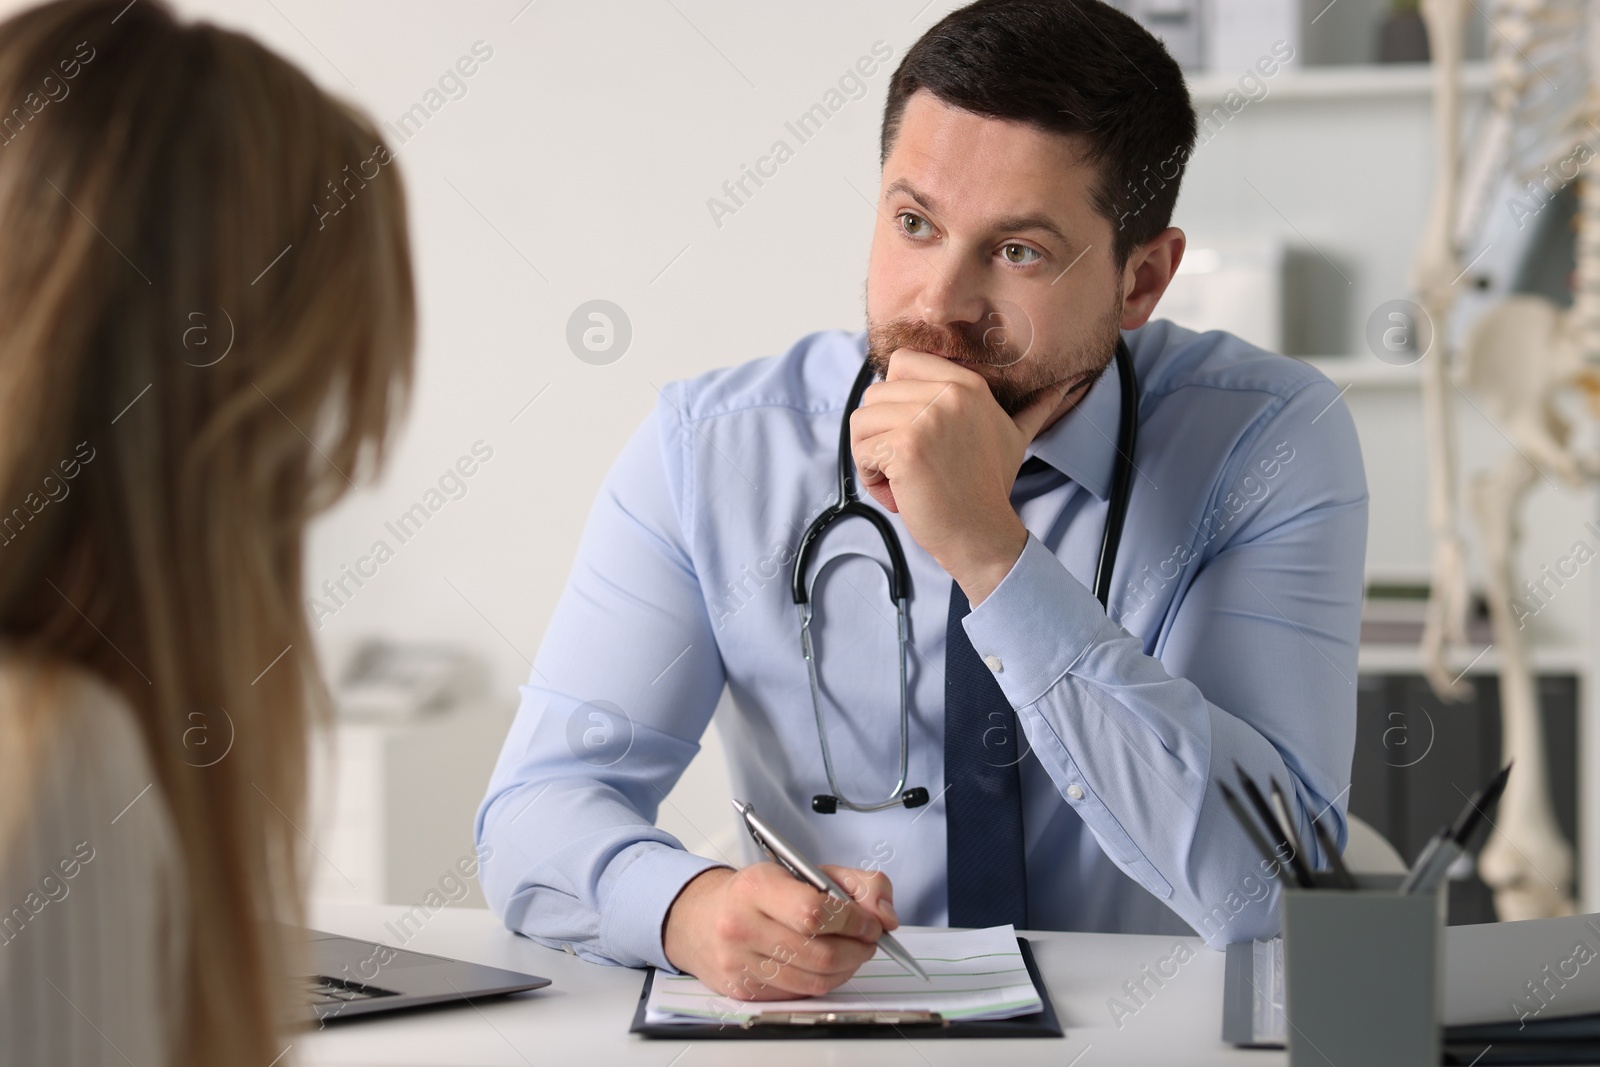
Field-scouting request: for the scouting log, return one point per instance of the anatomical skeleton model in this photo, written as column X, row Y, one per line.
column 1517, row 360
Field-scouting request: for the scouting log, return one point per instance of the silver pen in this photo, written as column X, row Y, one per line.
column 789, row 858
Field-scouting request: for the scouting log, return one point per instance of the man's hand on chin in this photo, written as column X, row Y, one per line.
column 932, row 443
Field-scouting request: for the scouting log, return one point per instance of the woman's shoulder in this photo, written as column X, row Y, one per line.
column 77, row 778
column 61, row 723
column 91, row 873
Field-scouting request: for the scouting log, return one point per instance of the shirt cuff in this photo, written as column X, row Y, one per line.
column 1035, row 625
column 636, row 908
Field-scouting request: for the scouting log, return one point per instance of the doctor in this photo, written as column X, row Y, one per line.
column 1062, row 758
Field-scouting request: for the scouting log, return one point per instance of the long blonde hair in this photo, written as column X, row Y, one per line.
column 205, row 282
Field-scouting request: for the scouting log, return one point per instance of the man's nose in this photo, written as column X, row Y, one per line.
column 951, row 295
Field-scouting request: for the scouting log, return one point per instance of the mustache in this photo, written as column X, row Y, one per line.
column 883, row 340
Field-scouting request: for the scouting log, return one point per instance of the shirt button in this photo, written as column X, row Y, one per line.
column 1075, row 791
column 993, row 663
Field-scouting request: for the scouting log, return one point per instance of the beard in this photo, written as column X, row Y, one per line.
column 1016, row 369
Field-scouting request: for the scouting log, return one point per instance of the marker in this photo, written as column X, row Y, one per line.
column 1251, row 831
column 1297, row 863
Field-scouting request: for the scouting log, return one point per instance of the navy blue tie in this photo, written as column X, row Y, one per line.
column 983, row 783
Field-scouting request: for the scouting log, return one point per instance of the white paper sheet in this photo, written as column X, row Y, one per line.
column 977, row 974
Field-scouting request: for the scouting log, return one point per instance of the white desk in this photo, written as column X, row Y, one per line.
column 583, row 1017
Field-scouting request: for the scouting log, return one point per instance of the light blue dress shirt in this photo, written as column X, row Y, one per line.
column 1232, row 635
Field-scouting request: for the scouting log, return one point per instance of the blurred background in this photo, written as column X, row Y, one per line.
column 580, row 240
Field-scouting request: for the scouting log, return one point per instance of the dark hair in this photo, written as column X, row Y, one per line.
column 1071, row 67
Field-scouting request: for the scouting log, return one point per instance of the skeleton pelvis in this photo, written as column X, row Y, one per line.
column 1519, row 351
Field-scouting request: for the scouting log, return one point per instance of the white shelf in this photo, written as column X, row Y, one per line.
column 1407, row 659
column 1346, row 82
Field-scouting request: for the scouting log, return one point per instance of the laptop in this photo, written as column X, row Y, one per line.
column 352, row 978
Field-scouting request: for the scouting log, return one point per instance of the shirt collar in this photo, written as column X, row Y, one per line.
column 1083, row 442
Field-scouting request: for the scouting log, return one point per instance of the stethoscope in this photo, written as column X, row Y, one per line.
column 849, row 505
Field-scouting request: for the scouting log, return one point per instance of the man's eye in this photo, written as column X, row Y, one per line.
column 1019, row 254
column 913, row 225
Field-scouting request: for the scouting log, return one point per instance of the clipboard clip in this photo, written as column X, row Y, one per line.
column 846, row 1018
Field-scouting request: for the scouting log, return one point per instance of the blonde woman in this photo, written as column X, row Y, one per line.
column 197, row 354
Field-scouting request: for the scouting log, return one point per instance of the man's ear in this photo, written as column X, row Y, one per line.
column 1149, row 271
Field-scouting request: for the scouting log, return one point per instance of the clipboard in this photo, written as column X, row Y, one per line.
column 1042, row 1023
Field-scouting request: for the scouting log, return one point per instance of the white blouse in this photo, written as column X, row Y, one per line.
column 91, row 886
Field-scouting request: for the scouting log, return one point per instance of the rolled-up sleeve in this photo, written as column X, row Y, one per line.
column 1255, row 663
column 624, row 684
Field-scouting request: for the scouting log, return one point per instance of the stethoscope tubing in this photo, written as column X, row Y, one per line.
column 848, row 505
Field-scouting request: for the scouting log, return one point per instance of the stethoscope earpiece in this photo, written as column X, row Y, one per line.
column 824, row 804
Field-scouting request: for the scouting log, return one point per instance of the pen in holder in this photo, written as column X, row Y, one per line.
column 1363, row 973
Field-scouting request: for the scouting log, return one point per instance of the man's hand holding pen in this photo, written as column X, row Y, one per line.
column 759, row 934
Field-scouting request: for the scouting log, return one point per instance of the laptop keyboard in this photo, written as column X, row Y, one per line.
column 325, row 990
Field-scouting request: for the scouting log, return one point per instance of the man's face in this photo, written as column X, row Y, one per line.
column 988, row 252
